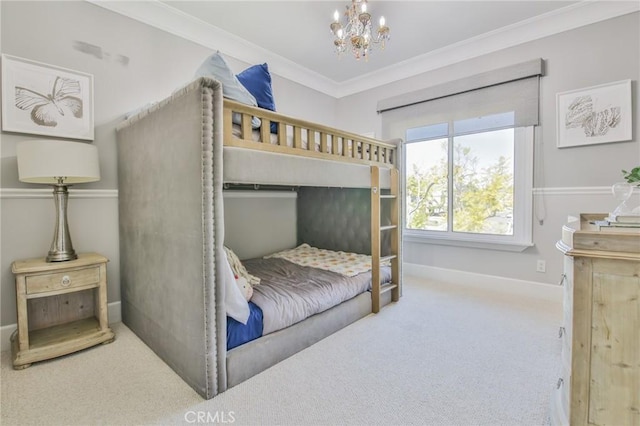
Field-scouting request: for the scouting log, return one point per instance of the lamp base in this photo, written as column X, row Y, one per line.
column 61, row 249
column 57, row 256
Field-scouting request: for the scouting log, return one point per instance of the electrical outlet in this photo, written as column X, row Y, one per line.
column 541, row 266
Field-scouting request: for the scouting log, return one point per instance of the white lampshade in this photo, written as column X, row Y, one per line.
column 44, row 161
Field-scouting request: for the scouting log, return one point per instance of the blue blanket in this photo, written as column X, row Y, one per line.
column 238, row 333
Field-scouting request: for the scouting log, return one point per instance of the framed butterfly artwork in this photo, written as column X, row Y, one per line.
column 44, row 99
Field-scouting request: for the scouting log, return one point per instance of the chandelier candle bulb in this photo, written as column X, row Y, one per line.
column 356, row 34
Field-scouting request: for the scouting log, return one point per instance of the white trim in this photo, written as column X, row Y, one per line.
column 114, row 310
column 523, row 178
column 176, row 22
column 415, row 236
column 554, row 22
column 5, row 334
column 8, row 193
column 579, row 190
column 34, row 193
column 513, row 286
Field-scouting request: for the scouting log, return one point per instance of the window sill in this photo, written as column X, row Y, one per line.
column 512, row 246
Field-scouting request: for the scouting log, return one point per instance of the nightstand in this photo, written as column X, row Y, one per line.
column 62, row 307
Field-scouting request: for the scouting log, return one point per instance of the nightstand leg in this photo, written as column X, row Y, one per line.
column 103, row 316
column 23, row 318
column 21, row 367
column 15, row 352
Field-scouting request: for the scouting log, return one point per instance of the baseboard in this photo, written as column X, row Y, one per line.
column 115, row 312
column 543, row 291
column 115, row 315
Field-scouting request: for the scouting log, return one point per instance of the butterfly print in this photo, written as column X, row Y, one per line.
column 48, row 110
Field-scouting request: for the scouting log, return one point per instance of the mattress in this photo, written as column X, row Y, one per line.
column 289, row 293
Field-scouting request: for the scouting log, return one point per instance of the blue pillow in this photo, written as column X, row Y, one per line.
column 257, row 80
column 216, row 67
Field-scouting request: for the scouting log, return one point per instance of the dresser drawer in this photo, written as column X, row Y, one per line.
column 63, row 280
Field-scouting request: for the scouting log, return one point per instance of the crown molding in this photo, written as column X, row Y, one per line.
column 557, row 21
column 176, row 22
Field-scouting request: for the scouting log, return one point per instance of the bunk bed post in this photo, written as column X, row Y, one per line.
column 395, row 234
column 375, row 239
column 376, row 230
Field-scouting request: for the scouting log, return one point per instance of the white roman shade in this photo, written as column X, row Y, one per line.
column 511, row 89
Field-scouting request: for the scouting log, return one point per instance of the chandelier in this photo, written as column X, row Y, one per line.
column 356, row 35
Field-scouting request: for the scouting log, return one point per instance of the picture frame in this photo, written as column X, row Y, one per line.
column 594, row 115
column 43, row 99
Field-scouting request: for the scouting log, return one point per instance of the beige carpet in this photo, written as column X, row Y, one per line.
column 443, row 355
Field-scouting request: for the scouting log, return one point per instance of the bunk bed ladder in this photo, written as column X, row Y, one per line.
column 377, row 260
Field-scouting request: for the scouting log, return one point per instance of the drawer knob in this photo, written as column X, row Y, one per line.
column 560, row 381
column 66, row 281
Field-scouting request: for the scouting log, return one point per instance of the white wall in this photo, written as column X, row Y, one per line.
column 158, row 63
column 568, row 181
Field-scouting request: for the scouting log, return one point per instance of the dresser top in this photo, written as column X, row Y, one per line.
column 585, row 237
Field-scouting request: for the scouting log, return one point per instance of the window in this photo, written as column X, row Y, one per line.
column 469, row 182
column 468, row 157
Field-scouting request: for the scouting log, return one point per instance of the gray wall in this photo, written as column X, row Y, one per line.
column 568, row 181
column 158, row 64
column 257, row 223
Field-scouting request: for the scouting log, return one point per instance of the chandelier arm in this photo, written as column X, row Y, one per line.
column 356, row 34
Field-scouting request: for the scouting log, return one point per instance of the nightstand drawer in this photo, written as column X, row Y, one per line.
column 62, row 280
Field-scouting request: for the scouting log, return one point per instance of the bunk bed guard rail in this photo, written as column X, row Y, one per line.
column 302, row 138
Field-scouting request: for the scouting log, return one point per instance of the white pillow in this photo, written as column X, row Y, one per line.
column 216, row 67
column 238, row 268
column 236, row 305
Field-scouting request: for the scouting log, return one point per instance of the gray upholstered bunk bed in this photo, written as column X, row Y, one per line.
column 174, row 160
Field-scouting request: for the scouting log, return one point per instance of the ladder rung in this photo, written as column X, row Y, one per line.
column 387, row 258
column 388, row 196
column 386, row 228
column 387, row 287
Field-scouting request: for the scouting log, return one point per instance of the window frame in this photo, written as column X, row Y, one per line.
column 522, row 237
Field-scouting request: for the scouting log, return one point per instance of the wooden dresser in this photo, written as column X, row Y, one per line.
column 599, row 382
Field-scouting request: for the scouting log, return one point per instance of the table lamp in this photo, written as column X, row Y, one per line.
column 60, row 164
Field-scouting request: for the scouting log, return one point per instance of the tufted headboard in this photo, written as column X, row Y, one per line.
column 338, row 219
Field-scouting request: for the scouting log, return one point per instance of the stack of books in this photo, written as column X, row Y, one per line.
column 619, row 223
